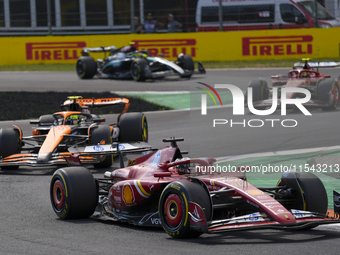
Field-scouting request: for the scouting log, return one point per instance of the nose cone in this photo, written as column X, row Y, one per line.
column 53, row 138
column 43, row 157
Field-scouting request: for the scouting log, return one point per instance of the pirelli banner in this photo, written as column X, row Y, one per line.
column 204, row 46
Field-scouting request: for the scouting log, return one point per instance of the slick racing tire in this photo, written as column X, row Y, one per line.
column 187, row 64
column 137, row 69
column 174, row 207
column 133, row 127
column 86, row 67
column 10, row 144
column 46, row 120
column 306, row 190
column 327, row 90
column 73, row 193
column 260, row 91
column 98, row 134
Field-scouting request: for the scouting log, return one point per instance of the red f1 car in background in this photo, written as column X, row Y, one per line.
column 324, row 90
column 184, row 196
column 74, row 125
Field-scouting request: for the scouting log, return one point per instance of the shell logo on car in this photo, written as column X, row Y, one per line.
column 277, row 45
column 54, row 50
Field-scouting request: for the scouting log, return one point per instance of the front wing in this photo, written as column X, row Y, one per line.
column 87, row 155
column 57, row 159
column 270, row 215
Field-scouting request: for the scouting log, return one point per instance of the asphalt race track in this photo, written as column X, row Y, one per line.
column 29, row 225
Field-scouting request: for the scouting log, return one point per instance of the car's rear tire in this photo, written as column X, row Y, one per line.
column 133, row 127
column 10, row 144
column 327, row 90
column 309, row 193
column 73, row 193
column 137, row 69
column 86, row 67
column 98, row 134
column 174, row 207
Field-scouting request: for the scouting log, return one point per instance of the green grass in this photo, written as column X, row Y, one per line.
column 207, row 64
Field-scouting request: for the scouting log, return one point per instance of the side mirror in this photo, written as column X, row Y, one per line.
column 98, row 120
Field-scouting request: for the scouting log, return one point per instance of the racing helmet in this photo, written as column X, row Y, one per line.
column 305, row 74
column 73, row 119
column 183, row 168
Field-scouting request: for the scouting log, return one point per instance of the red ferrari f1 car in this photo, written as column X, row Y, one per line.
column 324, row 90
column 184, row 196
column 74, row 125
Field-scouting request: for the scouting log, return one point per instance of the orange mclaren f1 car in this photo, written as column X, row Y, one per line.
column 73, row 126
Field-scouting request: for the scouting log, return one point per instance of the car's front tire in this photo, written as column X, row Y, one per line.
column 174, row 207
column 73, row 193
column 306, row 192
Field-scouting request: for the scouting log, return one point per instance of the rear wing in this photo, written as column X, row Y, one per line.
column 317, row 64
column 99, row 102
column 98, row 49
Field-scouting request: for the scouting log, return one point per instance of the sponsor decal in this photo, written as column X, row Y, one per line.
column 98, row 148
column 53, row 50
column 297, row 214
column 155, row 221
column 132, row 162
column 121, row 147
column 271, row 203
column 277, row 45
column 263, row 197
column 253, row 217
column 273, row 206
column 254, row 192
column 117, row 199
column 118, row 173
column 128, row 194
column 175, row 187
column 285, row 174
column 170, row 48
